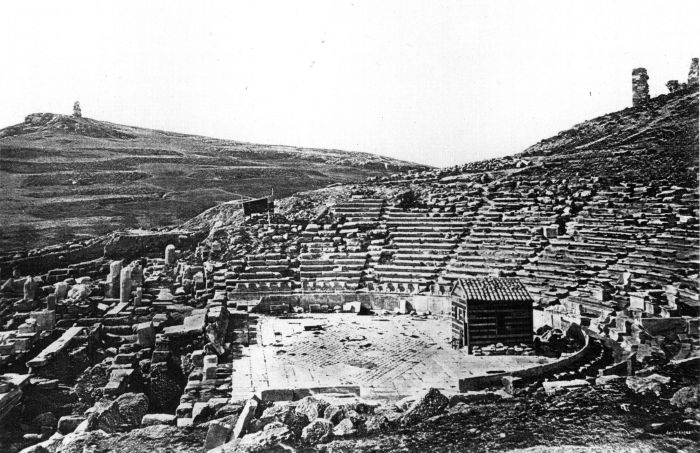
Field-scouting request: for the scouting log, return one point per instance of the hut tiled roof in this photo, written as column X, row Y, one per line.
column 494, row 290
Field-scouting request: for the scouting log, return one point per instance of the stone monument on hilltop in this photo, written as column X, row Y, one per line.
column 693, row 73
column 76, row 110
column 640, row 87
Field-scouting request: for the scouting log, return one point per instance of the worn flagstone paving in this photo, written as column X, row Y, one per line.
column 386, row 356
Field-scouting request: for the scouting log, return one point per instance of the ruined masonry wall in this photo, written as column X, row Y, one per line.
column 437, row 305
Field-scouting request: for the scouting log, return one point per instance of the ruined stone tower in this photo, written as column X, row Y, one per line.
column 640, row 87
column 76, row 109
column 693, row 73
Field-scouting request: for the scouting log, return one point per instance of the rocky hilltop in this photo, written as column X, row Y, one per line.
column 67, row 176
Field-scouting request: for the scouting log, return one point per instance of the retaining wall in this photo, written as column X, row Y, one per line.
column 481, row 382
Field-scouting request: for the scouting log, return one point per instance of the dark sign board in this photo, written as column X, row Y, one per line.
column 259, row 206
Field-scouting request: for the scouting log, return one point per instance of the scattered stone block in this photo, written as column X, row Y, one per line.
column 158, row 419
column 245, row 417
column 145, row 334
column 554, row 387
column 210, row 367
column 45, row 319
column 277, row 395
column 184, row 423
column 68, row 423
column 605, row 380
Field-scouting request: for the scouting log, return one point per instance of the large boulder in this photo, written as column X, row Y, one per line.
column 132, row 408
column 297, row 422
column 217, row 434
column 124, row 413
column 283, row 413
column 263, row 441
column 82, row 441
column 334, row 413
column 312, row 407
column 89, row 384
column 654, row 383
column 105, row 417
column 687, row 397
column 318, row 431
column 428, row 405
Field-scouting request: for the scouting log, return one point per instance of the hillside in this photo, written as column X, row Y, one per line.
column 629, row 142
column 619, row 147
column 64, row 177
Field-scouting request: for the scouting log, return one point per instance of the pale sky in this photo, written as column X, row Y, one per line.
column 435, row 82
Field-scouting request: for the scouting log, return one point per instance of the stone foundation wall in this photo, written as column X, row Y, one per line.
column 39, row 264
column 437, row 305
column 128, row 246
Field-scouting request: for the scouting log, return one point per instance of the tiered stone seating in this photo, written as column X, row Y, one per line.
column 494, row 247
column 269, row 272
column 334, row 270
column 419, row 244
column 360, row 210
column 335, row 251
column 624, row 237
column 563, row 266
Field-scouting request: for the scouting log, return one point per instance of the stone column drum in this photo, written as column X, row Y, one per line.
column 29, row 289
column 170, row 257
column 125, row 285
column 115, row 269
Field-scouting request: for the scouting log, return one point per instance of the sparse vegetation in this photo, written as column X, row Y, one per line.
column 68, row 170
